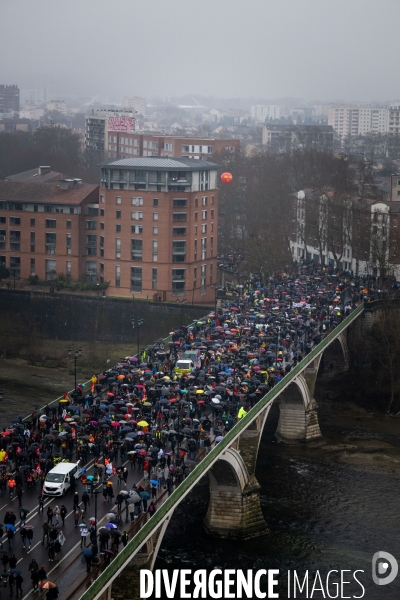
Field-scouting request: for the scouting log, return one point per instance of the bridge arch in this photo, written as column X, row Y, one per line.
column 336, row 355
column 298, row 421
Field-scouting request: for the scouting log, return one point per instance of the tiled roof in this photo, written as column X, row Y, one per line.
column 33, row 175
column 43, row 192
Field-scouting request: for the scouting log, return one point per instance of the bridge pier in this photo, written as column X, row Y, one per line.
column 298, row 418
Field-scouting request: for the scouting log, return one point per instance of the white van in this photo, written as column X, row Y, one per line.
column 58, row 480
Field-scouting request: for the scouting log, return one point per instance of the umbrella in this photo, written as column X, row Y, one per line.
column 145, row 495
column 48, row 585
column 153, row 481
column 26, row 510
column 111, row 526
column 124, row 492
column 111, row 516
column 134, row 497
column 15, row 571
column 143, row 424
column 82, row 525
column 9, row 526
column 86, row 552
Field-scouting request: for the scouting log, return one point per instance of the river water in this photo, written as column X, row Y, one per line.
column 328, row 507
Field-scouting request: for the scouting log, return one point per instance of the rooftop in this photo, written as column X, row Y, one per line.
column 50, row 193
column 35, row 176
column 159, row 163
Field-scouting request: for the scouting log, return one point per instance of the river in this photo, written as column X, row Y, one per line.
column 329, row 506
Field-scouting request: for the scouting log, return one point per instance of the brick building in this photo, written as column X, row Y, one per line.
column 158, row 228
column 43, row 227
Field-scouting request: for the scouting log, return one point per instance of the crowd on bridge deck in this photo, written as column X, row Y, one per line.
column 141, row 418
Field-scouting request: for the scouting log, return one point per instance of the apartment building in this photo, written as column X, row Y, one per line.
column 157, row 228
column 260, row 112
column 44, row 227
column 135, row 104
column 352, row 121
column 9, row 98
column 287, row 138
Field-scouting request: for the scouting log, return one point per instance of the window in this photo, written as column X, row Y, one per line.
column 155, row 216
column 185, row 149
column 169, row 148
column 212, row 226
column 117, row 214
column 117, row 276
column 101, row 245
column 137, row 249
column 209, row 149
column 71, row 210
column 102, row 212
column 118, row 248
column 203, row 248
column 195, row 230
column 178, row 281
column 155, row 250
column 91, row 245
column 179, row 231
column 32, row 241
column 136, row 228
column 91, row 224
column 195, row 249
column 101, row 225
column 137, row 201
column 2, row 239
column 50, row 243
column 204, row 214
column 155, row 230
column 212, row 245
column 195, row 215
column 212, row 213
column 212, row 200
column 119, row 200
column 375, row 229
column 155, row 201
column 179, row 251
column 69, row 243
column 68, row 269
column 118, row 228
column 91, row 271
column 204, row 228
column 181, row 216
column 203, row 279
column 102, row 198
column 211, row 273
column 196, row 202
column 179, row 202
column 69, row 224
column 32, row 269
column 137, row 215
column 92, row 211
column 101, row 274
column 32, row 221
column 50, row 223
column 3, row 220
column 50, row 269
column 16, row 221
column 154, row 279
column 136, row 279
column 204, row 201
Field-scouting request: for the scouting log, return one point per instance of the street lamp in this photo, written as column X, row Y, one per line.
column 76, row 355
column 138, row 324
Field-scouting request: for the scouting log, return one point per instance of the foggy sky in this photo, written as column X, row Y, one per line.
column 310, row 49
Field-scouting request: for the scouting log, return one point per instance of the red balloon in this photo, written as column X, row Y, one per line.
column 226, row 177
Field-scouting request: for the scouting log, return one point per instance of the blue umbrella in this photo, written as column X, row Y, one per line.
column 111, row 526
column 144, row 495
column 9, row 526
column 153, row 481
column 87, row 553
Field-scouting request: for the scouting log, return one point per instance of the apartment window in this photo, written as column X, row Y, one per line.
column 68, row 270
column 212, row 200
column 204, row 214
column 179, row 251
column 375, row 229
column 32, row 269
column 137, row 201
column 16, row 221
column 212, row 227
column 185, row 149
column 195, row 249
column 118, row 228
column 91, row 245
column 178, row 282
column 137, row 249
column 117, row 276
column 50, row 223
column 69, row 243
column 195, row 230
column 212, row 213
column 102, row 198
column 212, row 246
column 136, row 228
column 118, row 248
column 155, row 201
column 50, row 243
column 32, row 241
column 203, row 248
column 2, row 239
column 91, row 271
column 155, row 216
column 101, row 274
column 117, row 214
column 179, row 202
column 204, row 228
column 203, row 279
column 69, row 224
column 179, row 231
column 154, row 279
column 136, row 279
column 3, row 220
column 204, row 201
column 194, row 277
column 102, row 212
column 196, row 202
column 155, row 230
column 155, row 250
column 101, row 245
column 91, row 224
column 137, row 215
column 32, row 221
column 101, row 225
column 119, row 200
column 195, row 215
column 211, row 273
column 50, row 269
column 181, row 216
column 169, row 147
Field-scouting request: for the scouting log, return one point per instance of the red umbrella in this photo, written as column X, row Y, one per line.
column 115, row 424
column 200, row 402
column 110, row 394
column 142, row 452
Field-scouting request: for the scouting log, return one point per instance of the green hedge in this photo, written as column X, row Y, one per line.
column 63, row 284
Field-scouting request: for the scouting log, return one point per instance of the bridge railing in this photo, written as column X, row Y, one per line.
column 122, row 559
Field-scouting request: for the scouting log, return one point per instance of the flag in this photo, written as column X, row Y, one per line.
column 38, row 470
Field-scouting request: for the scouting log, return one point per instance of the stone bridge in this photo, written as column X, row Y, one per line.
column 234, row 508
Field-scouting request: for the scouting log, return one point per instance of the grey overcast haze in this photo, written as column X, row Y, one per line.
column 324, row 50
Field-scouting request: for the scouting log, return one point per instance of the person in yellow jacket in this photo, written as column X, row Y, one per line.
column 242, row 413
